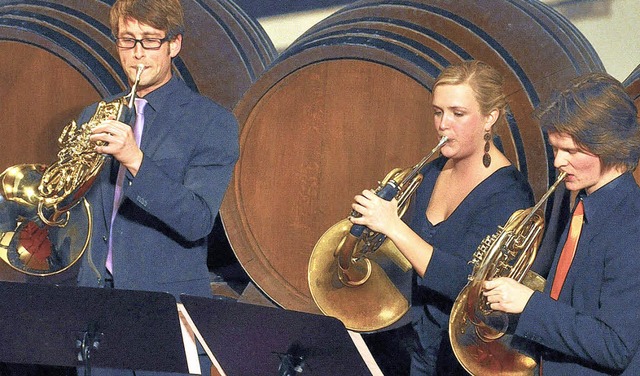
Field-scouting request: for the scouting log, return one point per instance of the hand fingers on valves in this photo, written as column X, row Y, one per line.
column 493, row 293
column 362, row 205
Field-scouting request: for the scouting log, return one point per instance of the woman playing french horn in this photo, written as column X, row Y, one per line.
column 466, row 193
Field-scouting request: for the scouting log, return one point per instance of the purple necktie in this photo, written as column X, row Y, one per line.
column 117, row 197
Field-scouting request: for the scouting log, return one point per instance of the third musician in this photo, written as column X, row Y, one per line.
column 586, row 321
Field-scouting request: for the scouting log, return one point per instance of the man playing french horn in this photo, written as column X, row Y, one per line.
column 586, row 321
column 153, row 237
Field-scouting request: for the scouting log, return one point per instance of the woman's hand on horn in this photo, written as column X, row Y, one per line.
column 118, row 141
column 377, row 214
column 506, row 295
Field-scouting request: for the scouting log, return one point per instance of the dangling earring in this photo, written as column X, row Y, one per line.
column 486, row 158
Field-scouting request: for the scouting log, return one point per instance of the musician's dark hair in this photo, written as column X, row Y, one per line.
column 600, row 117
column 165, row 15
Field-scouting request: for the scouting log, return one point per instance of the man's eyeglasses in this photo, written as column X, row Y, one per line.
column 146, row 43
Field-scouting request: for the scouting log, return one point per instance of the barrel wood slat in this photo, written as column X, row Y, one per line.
column 632, row 86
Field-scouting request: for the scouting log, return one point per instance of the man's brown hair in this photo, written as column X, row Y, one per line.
column 600, row 117
column 165, row 15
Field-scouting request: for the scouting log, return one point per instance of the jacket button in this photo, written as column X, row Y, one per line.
column 104, row 237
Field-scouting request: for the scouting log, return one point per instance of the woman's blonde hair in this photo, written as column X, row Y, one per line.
column 485, row 81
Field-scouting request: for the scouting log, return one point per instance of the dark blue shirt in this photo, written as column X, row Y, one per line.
column 488, row 205
column 593, row 328
column 455, row 239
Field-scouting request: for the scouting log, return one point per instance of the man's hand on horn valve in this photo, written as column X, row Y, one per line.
column 119, row 142
column 506, row 295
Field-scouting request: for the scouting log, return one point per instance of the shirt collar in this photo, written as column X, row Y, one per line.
column 159, row 96
column 599, row 203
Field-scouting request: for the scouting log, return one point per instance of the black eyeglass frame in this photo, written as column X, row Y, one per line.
column 142, row 43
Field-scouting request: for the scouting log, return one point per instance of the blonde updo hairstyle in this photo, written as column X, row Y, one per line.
column 485, row 81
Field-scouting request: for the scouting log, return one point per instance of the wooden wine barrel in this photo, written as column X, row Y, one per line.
column 632, row 86
column 58, row 57
column 350, row 100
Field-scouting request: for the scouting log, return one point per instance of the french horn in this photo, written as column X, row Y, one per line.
column 479, row 335
column 45, row 221
column 348, row 271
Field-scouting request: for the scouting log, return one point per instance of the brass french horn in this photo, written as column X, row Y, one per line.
column 478, row 334
column 45, row 221
column 346, row 271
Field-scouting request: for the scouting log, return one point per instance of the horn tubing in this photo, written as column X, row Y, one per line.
column 388, row 192
column 58, row 190
column 509, row 252
column 134, row 88
column 563, row 174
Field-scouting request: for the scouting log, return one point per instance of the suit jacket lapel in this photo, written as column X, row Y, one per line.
column 107, row 188
column 160, row 123
column 587, row 252
column 149, row 145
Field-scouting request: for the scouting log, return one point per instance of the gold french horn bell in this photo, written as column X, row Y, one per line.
column 352, row 270
column 43, row 230
column 478, row 334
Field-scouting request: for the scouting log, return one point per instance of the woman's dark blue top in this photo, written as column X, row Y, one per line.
column 488, row 205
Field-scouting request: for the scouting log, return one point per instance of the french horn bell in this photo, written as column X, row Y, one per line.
column 45, row 221
column 353, row 272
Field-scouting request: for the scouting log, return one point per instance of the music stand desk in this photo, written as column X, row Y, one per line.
column 46, row 324
column 247, row 339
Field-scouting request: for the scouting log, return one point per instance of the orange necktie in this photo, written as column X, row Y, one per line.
column 568, row 251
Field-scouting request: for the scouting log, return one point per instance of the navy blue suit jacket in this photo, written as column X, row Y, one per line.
column 190, row 146
column 593, row 328
column 634, row 367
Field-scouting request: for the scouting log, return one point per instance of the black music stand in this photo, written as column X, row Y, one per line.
column 247, row 339
column 80, row 326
